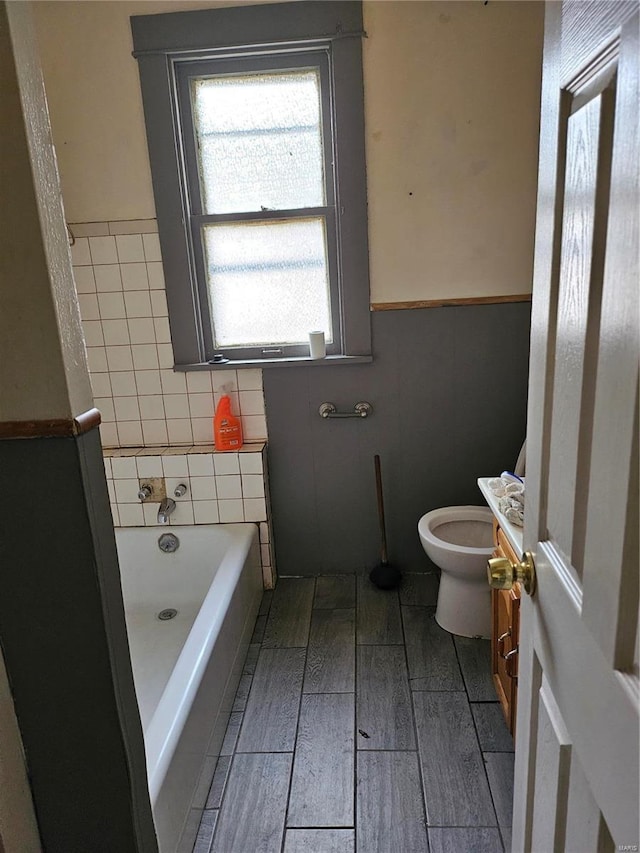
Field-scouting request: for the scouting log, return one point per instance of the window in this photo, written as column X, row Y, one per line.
column 255, row 128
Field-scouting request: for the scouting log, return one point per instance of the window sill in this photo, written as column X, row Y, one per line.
column 301, row 361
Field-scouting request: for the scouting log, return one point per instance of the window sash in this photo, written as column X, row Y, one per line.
column 284, row 350
column 275, row 62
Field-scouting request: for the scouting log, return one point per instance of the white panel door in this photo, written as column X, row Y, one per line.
column 577, row 755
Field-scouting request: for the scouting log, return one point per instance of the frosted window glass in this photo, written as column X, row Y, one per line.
column 268, row 282
column 259, row 141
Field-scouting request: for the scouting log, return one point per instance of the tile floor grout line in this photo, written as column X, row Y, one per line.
column 295, row 738
column 415, row 733
column 475, row 728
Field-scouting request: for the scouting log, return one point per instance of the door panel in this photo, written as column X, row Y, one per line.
column 577, row 754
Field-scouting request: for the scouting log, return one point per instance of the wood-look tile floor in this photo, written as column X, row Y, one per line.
column 360, row 726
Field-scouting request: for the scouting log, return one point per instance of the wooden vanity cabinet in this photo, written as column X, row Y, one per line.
column 505, row 607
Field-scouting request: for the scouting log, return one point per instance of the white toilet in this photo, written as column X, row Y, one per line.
column 459, row 539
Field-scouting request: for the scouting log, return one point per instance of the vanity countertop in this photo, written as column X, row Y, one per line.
column 511, row 531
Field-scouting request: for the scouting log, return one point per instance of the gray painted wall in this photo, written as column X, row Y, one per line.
column 64, row 641
column 448, row 387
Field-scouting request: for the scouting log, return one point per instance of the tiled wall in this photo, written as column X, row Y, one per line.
column 221, row 488
column 144, row 403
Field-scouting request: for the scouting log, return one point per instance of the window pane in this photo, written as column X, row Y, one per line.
column 268, row 282
column 259, row 141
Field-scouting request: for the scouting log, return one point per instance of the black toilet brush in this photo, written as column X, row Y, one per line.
column 383, row 576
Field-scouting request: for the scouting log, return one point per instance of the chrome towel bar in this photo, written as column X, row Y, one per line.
column 360, row 410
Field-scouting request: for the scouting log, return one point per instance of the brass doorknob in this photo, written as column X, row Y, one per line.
column 502, row 573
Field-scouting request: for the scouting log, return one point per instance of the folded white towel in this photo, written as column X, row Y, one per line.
column 511, row 498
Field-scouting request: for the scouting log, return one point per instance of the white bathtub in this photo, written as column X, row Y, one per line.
column 186, row 669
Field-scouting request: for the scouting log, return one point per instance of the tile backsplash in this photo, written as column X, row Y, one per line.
column 144, row 403
column 220, row 488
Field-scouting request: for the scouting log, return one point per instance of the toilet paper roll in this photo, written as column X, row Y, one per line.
column 317, row 346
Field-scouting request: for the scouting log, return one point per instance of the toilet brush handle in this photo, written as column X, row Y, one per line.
column 383, row 535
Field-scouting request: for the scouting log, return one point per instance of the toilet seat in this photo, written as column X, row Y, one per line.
column 429, row 523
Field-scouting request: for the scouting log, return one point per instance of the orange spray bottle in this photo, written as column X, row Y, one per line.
column 227, row 429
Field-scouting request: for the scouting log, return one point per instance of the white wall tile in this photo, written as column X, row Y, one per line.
column 127, row 491
column 151, row 245
column 115, row 516
column 202, row 430
column 124, row 467
column 134, row 276
column 252, row 486
column 145, row 356
column 142, row 331
column 151, row 407
column 108, row 435
column 97, row 359
column 200, row 464
column 116, row 332
column 103, row 250
column 119, row 358
column 108, row 278
column 173, row 383
column 111, row 491
column 250, row 463
column 175, row 466
column 150, row 512
column 255, row 509
column 85, row 279
column 176, row 405
column 254, row 427
column 230, row 511
column 154, row 433
column 124, row 384
column 155, row 275
column 224, row 381
column 251, row 403
column 228, row 487
column 127, row 408
column 148, row 382
column 201, row 405
column 264, row 532
column 130, row 434
column 93, row 336
column 226, row 463
column 88, row 306
column 131, row 515
column 162, row 329
column 80, row 255
column 137, row 303
column 183, row 513
column 165, row 356
column 111, row 306
column 249, row 379
column 179, row 431
column 159, row 303
column 149, row 466
column 199, row 382
column 129, row 248
column 265, row 555
column 205, row 512
column 203, row 488
column 100, row 384
column 107, row 411
column 107, row 467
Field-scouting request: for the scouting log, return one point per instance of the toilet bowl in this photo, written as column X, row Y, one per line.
column 459, row 540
